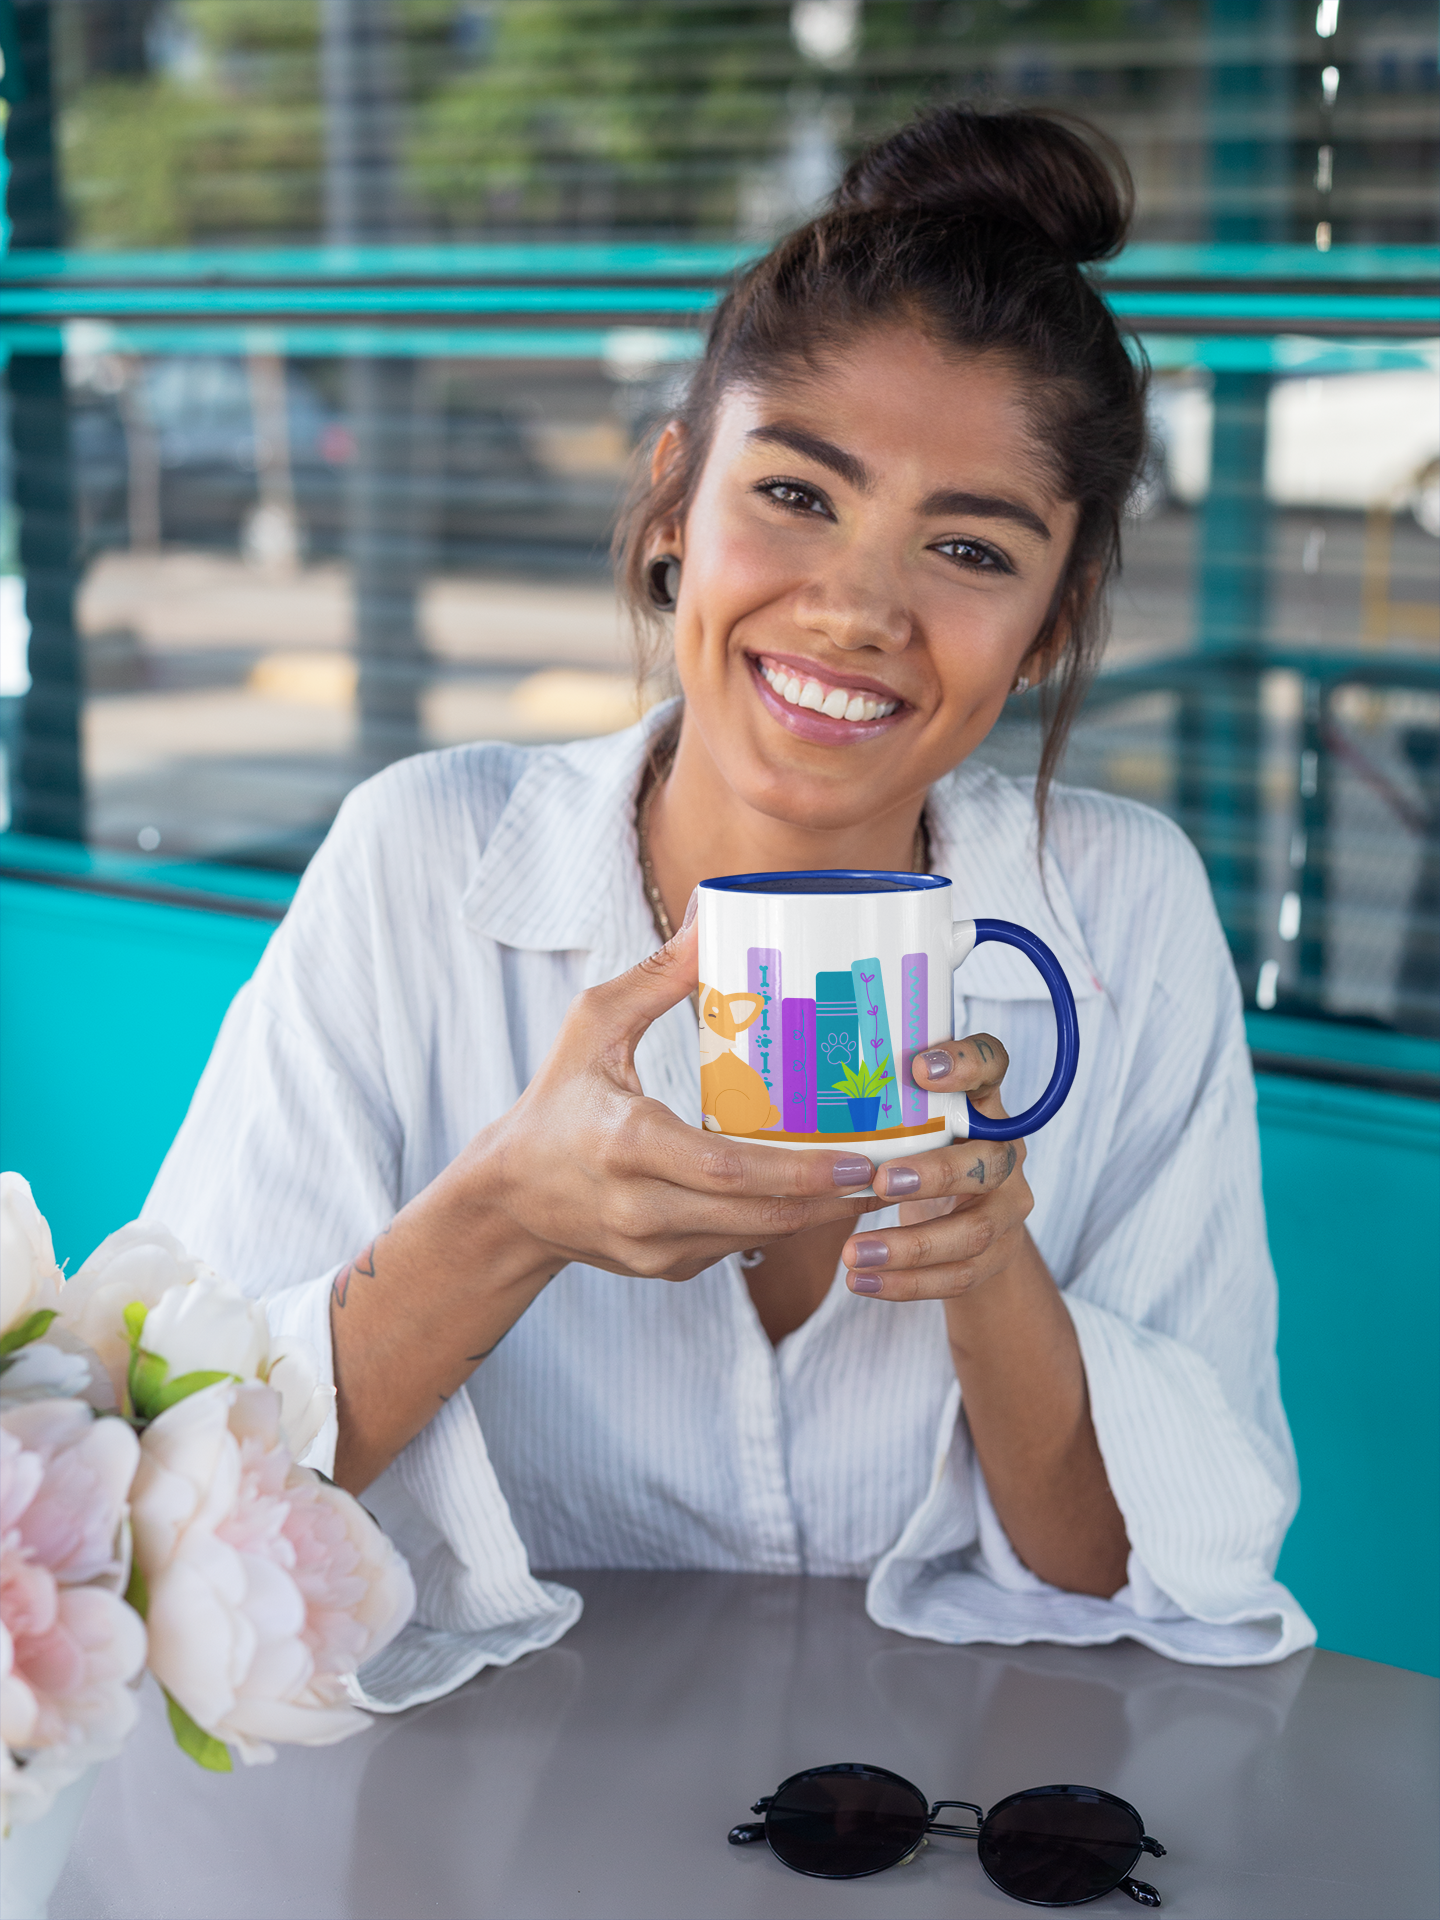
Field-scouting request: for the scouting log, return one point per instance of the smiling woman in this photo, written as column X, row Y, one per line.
column 1028, row 1397
column 940, row 314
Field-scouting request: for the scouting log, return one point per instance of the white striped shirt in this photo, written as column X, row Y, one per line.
column 460, row 902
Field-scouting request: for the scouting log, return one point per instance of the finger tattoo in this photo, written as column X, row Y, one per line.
column 977, row 1172
column 985, row 1051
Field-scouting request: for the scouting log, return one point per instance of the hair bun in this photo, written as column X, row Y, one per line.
column 1036, row 169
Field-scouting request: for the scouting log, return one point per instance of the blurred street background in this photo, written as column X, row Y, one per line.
column 331, row 326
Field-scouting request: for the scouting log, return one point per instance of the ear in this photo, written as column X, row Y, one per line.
column 669, row 449
column 756, row 1010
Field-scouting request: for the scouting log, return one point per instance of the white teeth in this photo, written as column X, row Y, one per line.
column 834, row 701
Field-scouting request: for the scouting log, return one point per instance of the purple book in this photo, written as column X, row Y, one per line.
column 764, row 979
column 797, row 1054
column 914, row 993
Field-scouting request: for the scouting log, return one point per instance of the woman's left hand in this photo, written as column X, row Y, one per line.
column 963, row 1207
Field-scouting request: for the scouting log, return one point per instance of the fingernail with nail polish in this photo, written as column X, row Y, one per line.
column 870, row 1253
column 901, row 1180
column 937, row 1064
column 852, row 1171
column 865, row 1283
column 692, row 907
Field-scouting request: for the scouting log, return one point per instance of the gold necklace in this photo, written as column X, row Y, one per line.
column 647, row 871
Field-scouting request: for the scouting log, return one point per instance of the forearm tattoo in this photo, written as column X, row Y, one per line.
column 361, row 1267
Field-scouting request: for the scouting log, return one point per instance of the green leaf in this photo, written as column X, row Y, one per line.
column 148, row 1374
column 134, row 1318
column 864, row 1081
column 203, row 1748
column 29, row 1329
column 152, row 1390
column 137, row 1594
column 187, row 1384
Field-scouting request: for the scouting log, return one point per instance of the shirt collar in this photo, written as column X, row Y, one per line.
column 561, row 871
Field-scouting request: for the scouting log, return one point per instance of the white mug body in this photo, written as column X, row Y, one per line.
column 816, row 993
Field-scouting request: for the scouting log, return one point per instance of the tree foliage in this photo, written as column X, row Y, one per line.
column 600, row 115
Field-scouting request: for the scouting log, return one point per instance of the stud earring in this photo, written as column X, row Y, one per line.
column 662, row 579
column 1022, row 683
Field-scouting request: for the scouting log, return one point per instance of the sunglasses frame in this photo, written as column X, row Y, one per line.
column 749, row 1833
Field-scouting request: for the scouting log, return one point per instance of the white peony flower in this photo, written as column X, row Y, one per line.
column 29, row 1277
column 267, row 1586
column 44, row 1371
column 140, row 1262
column 305, row 1404
column 69, row 1645
column 194, row 1322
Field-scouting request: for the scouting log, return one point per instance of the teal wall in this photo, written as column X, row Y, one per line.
column 1352, row 1195
column 108, row 1011
column 108, row 1008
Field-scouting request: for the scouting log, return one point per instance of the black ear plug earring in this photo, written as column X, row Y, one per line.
column 663, row 581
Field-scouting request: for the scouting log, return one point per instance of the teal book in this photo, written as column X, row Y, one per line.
column 875, row 1037
column 837, row 1046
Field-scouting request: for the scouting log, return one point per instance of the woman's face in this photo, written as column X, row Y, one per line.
column 868, row 558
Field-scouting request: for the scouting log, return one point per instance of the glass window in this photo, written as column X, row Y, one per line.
column 331, row 327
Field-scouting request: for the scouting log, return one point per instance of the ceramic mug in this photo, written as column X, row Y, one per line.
column 817, row 990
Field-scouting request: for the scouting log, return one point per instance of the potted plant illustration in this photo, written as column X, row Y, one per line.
column 862, row 1087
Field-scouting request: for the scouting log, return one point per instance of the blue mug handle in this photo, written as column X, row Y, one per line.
column 1067, row 1029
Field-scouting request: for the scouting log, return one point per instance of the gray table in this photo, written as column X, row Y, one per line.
column 599, row 1778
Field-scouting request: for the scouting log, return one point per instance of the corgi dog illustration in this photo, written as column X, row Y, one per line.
column 733, row 1097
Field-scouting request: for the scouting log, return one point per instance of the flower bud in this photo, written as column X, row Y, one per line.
column 208, row 1327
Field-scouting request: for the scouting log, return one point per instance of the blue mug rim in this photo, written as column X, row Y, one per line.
column 890, row 882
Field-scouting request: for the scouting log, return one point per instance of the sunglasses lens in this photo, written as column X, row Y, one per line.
column 841, row 1824
column 1059, row 1848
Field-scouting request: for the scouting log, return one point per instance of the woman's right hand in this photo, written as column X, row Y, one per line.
column 584, row 1167
column 587, row 1167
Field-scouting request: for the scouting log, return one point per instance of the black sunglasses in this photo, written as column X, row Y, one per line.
column 1048, row 1846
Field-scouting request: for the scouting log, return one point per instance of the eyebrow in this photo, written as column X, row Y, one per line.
column 825, row 453
column 987, row 506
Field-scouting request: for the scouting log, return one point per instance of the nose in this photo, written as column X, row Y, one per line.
column 858, row 605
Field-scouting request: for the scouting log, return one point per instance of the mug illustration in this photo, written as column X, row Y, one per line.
column 837, row 979
column 837, row 1062
column 733, row 1095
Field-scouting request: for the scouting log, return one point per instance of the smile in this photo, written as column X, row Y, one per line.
column 810, row 694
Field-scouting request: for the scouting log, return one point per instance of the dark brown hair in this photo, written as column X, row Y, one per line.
column 976, row 228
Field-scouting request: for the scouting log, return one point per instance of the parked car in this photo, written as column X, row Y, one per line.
column 186, row 427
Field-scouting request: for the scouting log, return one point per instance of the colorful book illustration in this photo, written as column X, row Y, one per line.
column 875, row 1038
column 914, row 1001
column 797, row 1066
column 763, row 978
column 831, row 1067
column 837, row 1049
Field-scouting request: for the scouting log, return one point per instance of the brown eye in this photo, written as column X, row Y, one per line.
column 794, row 496
column 974, row 555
